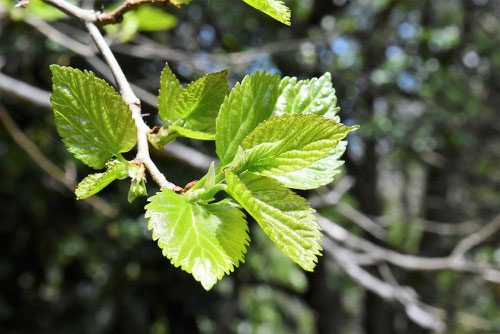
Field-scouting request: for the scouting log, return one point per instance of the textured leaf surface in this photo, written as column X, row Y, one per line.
column 285, row 217
column 274, row 8
column 289, row 143
column 248, row 104
column 170, row 88
column 198, row 104
column 314, row 96
column 206, row 240
column 94, row 183
column 318, row 174
column 90, row 116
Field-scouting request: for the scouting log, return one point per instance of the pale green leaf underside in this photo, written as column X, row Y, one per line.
column 285, row 217
column 274, row 8
column 94, row 183
column 318, row 174
column 206, row 240
column 314, row 96
column 90, row 116
column 289, row 143
column 248, row 104
column 170, row 88
column 184, row 132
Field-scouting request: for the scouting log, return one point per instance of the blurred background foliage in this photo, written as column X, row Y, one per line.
column 421, row 77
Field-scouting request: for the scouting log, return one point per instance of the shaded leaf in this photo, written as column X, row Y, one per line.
column 170, row 88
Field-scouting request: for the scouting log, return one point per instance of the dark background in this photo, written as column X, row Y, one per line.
column 420, row 77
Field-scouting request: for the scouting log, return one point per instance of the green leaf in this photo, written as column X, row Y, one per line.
column 198, row 104
column 206, row 240
column 248, row 104
column 45, row 11
column 137, row 188
column 90, row 116
column 318, row 174
column 153, row 19
column 94, row 183
column 274, row 8
column 180, row 2
column 285, row 217
column 314, row 96
column 170, row 88
column 184, row 132
column 289, row 143
column 192, row 110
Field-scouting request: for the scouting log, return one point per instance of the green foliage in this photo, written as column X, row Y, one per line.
column 248, row 104
column 274, row 8
column 145, row 18
column 90, row 116
column 269, row 135
column 285, row 217
column 191, row 111
column 290, row 142
column 94, row 183
column 316, row 96
column 319, row 173
column 206, row 240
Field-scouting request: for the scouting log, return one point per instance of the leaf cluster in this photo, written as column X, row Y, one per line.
column 271, row 134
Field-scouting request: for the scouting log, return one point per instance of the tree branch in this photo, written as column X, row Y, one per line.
column 88, row 17
column 411, row 262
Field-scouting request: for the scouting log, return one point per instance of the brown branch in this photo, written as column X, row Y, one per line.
column 34, row 152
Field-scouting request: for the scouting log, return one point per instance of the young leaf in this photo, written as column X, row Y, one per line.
column 274, row 8
column 319, row 173
column 289, row 143
column 201, row 99
column 137, row 188
column 285, row 217
column 193, row 109
column 170, row 88
column 94, row 183
column 206, row 240
column 90, row 116
column 248, row 104
column 315, row 96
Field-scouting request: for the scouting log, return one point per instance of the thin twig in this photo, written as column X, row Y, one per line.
column 134, row 104
column 415, row 310
column 476, row 238
column 411, row 262
column 88, row 17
